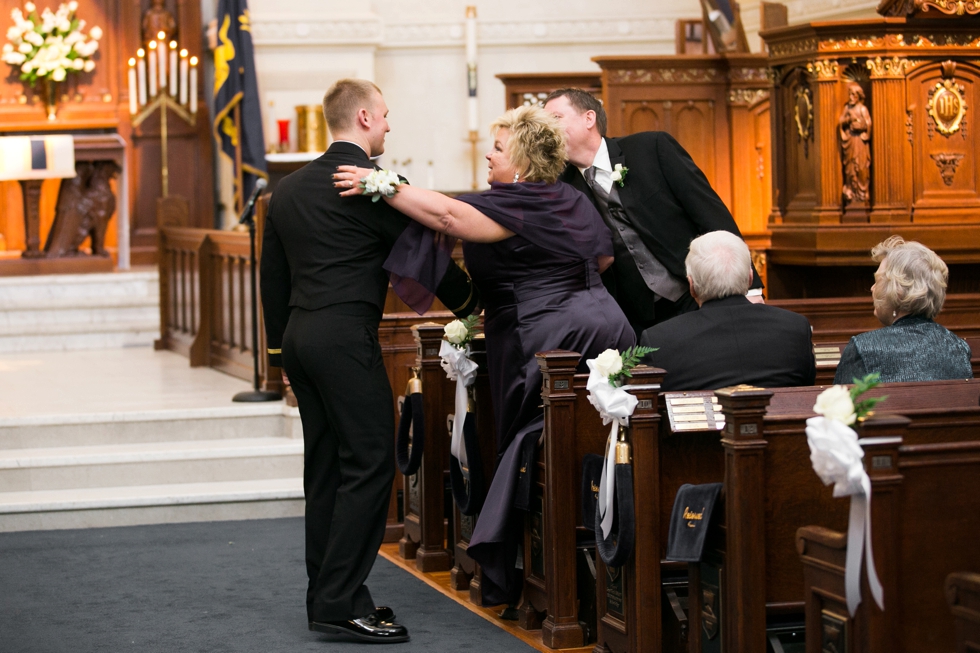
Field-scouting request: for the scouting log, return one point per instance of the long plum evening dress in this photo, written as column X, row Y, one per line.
column 541, row 290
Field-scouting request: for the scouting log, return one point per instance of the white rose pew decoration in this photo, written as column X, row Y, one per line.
column 837, row 456
column 459, row 367
column 607, row 371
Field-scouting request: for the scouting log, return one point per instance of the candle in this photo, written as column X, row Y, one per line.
column 183, row 77
column 474, row 115
column 141, row 75
column 193, row 84
column 162, row 53
column 173, row 68
column 133, row 107
column 152, row 56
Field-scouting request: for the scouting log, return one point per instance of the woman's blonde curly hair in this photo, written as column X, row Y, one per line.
column 537, row 142
column 913, row 278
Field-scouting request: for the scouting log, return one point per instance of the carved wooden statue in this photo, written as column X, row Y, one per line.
column 86, row 203
column 158, row 19
column 855, row 137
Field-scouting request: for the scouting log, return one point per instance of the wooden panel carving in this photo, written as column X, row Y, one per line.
column 946, row 178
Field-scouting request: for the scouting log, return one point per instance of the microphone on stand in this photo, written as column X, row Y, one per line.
column 256, row 393
column 260, row 185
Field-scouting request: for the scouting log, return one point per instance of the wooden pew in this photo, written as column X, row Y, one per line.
column 770, row 486
column 925, row 518
column 771, row 490
column 572, row 429
column 642, row 606
column 465, row 573
column 424, row 537
column 963, row 596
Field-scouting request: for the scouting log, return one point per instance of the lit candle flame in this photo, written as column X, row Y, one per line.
column 132, row 62
column 152, row 45
column 173, row 45
column 161, row 35
column 141, row 53
column 193, row 61
column 183, row 53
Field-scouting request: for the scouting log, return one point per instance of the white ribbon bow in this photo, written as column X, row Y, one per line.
column 461, row 369
column 836, row 455
column 614, row 405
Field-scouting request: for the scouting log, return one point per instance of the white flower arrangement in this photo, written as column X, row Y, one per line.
column 459, row 333
column 619, row 174
column 380, row 182
column 837, row 458
column 50, row 45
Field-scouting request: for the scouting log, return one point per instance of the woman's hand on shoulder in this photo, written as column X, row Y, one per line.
column 349, row 177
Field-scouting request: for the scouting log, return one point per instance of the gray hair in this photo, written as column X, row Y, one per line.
column 913, row 278
column 719, row 265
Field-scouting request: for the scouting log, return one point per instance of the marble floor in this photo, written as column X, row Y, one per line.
column 86, row 382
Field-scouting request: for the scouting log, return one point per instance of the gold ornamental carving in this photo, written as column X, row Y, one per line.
column 668, row 75
column 946, row 106
column 747, row 96
column 803, row 112
column 894, row 68
column 749, row 74
column 947, row 164
column 824, row 70
column 802, row 46
column 950, row 7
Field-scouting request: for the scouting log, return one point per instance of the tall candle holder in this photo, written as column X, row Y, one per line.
column 176, row 92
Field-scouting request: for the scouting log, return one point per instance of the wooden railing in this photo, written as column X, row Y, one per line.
column 205, row 302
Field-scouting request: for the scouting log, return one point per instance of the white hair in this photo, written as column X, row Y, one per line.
column 719, row 265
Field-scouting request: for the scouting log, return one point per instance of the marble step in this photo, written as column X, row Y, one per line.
column 235, row 421
column 79, row 311
column 151, row 504
column 61, row 323
column 100, row 339
column 77, row 287
column 156, row 463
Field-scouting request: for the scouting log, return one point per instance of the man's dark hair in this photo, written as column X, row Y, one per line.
column 582, row 101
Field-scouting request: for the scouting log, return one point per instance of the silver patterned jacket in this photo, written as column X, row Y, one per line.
column 913, row 348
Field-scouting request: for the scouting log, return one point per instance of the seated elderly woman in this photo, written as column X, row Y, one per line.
column 909, row 291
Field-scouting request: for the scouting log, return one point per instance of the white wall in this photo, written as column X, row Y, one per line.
column 414, row 50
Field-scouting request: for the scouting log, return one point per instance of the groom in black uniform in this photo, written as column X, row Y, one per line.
column 323, row 292
column 655, row 205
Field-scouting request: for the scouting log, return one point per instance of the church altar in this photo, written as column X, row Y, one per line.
column 95, row 106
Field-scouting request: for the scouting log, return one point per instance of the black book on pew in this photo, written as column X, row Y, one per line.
column 690, row 520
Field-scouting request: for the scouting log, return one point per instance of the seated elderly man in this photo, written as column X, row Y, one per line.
column 729, row 340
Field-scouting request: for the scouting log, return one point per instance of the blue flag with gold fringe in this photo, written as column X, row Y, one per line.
column 237, row 116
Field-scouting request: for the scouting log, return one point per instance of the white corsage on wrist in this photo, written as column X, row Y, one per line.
column 380, row 183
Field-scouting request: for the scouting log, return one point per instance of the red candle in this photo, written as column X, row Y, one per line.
column 283, row 134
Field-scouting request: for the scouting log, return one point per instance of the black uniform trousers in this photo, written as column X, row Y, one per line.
column 333, row 359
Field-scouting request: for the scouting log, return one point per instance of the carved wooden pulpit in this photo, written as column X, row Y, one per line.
column 873, row 125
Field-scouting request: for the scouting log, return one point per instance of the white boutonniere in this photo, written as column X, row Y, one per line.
column 619, row 174
column 380, row 182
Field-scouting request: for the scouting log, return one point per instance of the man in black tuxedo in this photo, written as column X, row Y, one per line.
column 654, row 210
column 729, row 340
column 323, row 292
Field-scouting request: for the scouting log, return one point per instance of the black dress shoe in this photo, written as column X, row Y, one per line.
column 368, row 629
column 384, row 613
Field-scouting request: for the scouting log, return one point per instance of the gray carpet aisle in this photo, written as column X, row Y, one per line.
column 220, row 586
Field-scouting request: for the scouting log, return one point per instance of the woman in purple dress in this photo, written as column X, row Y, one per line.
column 534, row 247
